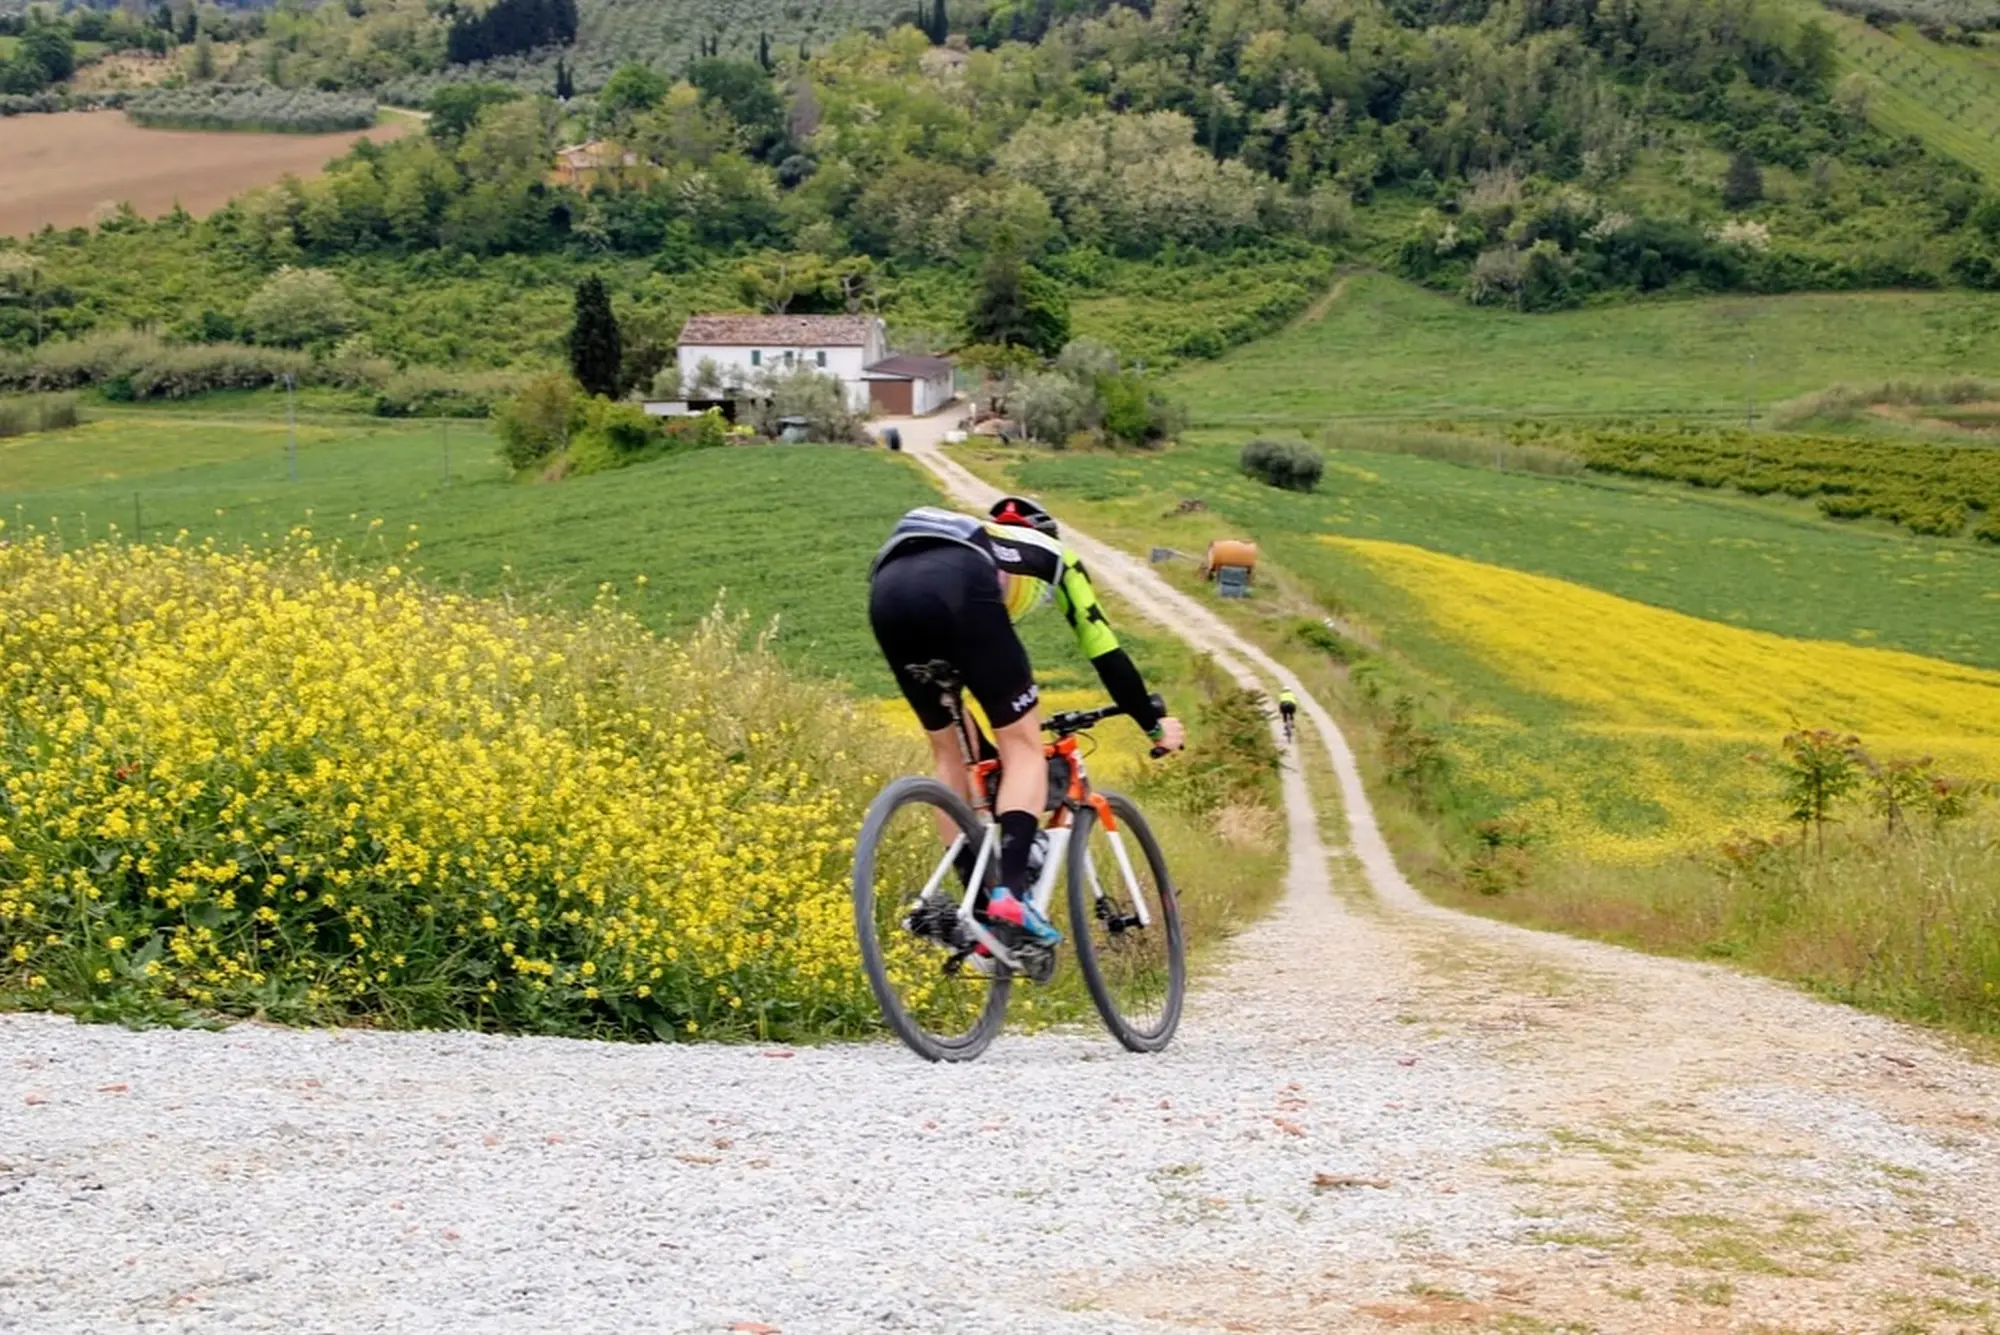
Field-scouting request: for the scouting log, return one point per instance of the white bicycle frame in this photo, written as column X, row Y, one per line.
column 1044, row 889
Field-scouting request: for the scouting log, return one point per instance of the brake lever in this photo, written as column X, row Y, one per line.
column 1159, row 751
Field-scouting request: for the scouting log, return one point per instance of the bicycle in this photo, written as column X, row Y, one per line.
column 940, row 975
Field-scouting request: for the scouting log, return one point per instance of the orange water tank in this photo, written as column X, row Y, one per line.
column 1229, row 552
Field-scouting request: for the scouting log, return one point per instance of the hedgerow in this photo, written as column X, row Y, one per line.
column 218, row 107
column 1934, row 489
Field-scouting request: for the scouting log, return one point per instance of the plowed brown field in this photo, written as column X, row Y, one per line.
column 60, row 168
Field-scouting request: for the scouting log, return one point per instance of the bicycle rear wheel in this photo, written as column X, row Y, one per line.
column 1137, row 974
column 941, row 1011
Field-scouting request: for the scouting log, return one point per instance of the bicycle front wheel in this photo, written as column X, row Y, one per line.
column 1127, row 923
column 942, row 1007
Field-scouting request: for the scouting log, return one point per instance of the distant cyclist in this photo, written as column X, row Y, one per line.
column 1288, row 708
column 949, row 587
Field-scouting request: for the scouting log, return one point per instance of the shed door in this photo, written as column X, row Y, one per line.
column 891, row 398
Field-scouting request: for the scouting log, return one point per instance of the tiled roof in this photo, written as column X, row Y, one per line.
column 777, row 331
column 908, row 366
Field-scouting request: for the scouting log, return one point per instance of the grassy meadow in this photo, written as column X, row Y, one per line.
column 1389, row 349
column 1570, row 689
column 742, row 522
column 776, row 533
column 1759, row 565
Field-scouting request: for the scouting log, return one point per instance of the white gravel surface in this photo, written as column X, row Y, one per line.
column 1511, row 1127
column 261, row 1179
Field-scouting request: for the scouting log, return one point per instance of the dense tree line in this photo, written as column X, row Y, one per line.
column 1501, row 135
column 510, row 27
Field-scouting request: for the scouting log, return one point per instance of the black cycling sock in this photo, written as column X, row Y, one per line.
column 967, row 856
column 1017, row 841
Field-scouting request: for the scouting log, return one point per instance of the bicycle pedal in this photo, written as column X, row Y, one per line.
column 1038, row 963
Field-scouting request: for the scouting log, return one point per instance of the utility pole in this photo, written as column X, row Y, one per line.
column 291, row 429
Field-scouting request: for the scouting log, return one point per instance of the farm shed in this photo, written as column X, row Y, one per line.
column 907, row 385
column 595, row 162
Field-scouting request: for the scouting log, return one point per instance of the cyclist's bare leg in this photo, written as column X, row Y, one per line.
column 948, row 762
column 1024, row 771
column 1023, row 776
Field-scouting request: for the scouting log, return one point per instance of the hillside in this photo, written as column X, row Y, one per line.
column 1188, row 180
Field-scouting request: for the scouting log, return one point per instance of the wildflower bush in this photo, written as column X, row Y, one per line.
column 222, row 107
column 258, row 785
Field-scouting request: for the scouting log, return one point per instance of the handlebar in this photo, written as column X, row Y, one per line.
column 1072, row 721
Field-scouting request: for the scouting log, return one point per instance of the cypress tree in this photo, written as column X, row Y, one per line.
column 764, row 51
column 1744, row 183
column 565, row 85
column 595, row 349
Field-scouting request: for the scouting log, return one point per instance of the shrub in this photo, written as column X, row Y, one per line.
column 299, row 306
column 1051, row 406
column 804, row 392
column 424, row 391
column 610, row 435
column 50, row 412
column 181, row 373
column 1287, row 464
column 257, row 786
column 124, row 366
column 535, row 423
column 704, row 431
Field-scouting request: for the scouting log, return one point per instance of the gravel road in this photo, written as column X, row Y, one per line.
column 1377, row 1115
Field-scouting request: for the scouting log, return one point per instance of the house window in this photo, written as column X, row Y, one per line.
column 820, row 357
column 756, row 356
column 791, row 358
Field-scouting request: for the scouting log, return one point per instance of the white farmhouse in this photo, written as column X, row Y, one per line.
column 726, row 350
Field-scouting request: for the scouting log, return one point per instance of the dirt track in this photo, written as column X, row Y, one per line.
column 1712, row 1151
column 61, row 168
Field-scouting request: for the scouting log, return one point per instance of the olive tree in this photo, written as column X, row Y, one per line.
column 299, row 306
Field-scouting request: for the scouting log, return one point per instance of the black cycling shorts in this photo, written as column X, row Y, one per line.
column 941, row 604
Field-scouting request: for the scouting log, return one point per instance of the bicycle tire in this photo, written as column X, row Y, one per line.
column 1167, row 922
column 907, row 1026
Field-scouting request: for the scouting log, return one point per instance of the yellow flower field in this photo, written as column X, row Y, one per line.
column 1653, row 712
column 259, row 785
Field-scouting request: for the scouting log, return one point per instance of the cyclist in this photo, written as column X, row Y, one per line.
column 1288, row 708
column 948, row 587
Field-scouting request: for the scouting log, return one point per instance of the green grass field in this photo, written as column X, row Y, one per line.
column 1753, row 564
column 778, row 531
column 1390, row 349
column 786, row 531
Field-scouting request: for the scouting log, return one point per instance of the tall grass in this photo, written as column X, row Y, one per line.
column 40, row 412
column 1845, row 403
column 1909, row 925
column 1467, row 449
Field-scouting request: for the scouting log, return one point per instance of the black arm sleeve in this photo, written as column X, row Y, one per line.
column 1127, row 687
